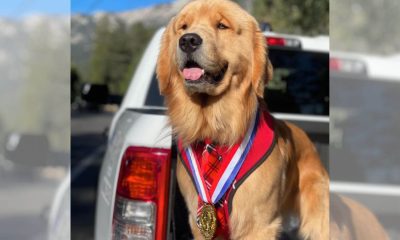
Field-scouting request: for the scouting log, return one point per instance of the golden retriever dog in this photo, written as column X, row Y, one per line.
column 212, row 70
column 217, row 101
column 349, row 220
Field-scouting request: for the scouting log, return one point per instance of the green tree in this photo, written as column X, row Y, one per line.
column 99, row 65
column 119, row 59
column 309, row 17
column 139, row 36
column 365, row 26
column 45, row 95
column 117, row 51
column 75, row 83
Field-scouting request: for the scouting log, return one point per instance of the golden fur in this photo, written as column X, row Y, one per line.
column 293, row 181
column 350, row 220
column 224, row 114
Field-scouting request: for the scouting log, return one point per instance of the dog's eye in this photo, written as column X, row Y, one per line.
column 222, row 26
column 184, row 26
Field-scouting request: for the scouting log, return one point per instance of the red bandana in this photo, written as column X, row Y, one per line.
column 211, row 158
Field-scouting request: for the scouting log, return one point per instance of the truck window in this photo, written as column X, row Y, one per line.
column 362, row 112
column 300, row 83
column 153, row 98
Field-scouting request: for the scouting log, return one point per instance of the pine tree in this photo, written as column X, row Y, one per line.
column 307, row 17
column 99, row 65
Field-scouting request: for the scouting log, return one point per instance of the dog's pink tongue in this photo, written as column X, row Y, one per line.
column 192, row 73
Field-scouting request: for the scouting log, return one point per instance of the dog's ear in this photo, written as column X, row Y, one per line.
column 165, row 58
column 259, row 61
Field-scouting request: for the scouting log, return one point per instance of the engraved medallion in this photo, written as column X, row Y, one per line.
column 207, row 221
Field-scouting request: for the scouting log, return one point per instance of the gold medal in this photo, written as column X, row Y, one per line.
column 207, row 221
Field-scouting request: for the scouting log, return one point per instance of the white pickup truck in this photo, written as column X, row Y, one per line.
column 364, row 133
column 137, row 197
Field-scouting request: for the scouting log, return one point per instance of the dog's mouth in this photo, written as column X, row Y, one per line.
column 194, row 73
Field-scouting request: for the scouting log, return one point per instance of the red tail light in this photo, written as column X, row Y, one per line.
column 350, row 66
column 334, row 64
column 283, row 42
column 141, row 207
column 275, row 41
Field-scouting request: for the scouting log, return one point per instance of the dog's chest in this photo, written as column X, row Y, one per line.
column 224, row 165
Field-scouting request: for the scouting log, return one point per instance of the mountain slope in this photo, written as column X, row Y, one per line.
column 83, row 28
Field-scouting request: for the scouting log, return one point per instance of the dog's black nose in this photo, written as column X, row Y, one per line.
column 190, row 42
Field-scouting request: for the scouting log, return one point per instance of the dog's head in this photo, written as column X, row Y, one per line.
column 212, row 46
column 211, row 69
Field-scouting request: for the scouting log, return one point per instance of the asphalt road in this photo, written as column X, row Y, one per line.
column 23, row 217
column 88, row 141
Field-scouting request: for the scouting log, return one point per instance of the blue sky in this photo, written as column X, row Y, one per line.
column 87, row 6
column 18, row 8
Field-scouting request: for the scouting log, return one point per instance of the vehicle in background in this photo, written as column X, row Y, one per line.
column 26, row 150
column 94, row 97
column 30, row 165
column 137, row 195
column 364, row 165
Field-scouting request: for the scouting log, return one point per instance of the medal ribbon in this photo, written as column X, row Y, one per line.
column 228, row 171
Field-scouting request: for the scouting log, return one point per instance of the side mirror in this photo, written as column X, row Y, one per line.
column 29, row 150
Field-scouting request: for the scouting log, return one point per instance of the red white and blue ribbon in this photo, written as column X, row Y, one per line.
column 228, row 171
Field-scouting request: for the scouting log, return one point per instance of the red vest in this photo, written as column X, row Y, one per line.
column 261, row 147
